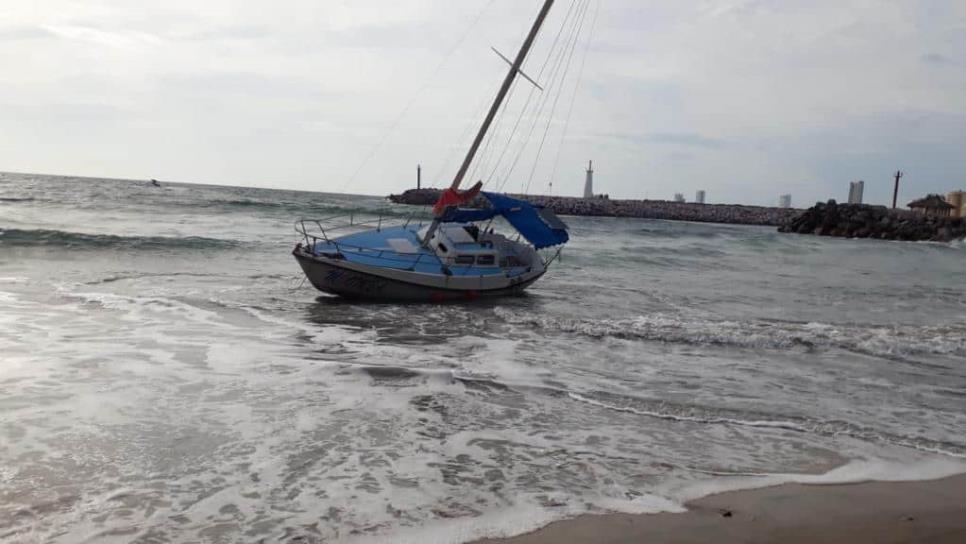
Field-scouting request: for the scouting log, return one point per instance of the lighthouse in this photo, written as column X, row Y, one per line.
column 589, row 186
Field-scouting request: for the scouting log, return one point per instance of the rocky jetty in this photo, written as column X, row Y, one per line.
column 644, row 209
column 864, row 221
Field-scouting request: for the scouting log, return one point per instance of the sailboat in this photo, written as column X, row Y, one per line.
column 459, row 255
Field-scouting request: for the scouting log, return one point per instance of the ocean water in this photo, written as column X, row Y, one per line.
column 166, row 375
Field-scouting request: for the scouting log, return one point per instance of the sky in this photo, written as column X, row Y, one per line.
column 746, row 99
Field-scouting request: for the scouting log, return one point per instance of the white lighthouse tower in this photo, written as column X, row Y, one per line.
column 589, row 186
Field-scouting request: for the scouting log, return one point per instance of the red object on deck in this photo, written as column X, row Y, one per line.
column 453, row 197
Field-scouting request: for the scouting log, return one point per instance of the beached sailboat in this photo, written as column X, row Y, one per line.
column 458, row 255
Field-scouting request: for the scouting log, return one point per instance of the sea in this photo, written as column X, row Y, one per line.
column 167, row 375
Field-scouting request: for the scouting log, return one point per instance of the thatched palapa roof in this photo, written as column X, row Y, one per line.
column 931, row 202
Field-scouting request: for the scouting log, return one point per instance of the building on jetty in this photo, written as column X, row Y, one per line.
column 957, row 199
column 932, row 206
column 856, row 192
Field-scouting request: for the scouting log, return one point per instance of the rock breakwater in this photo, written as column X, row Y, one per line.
column 643, row 209
column 864, row 221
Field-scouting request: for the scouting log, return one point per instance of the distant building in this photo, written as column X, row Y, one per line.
column 932, row 206
column 699, row 197
column 589, row 185
column 856, row 191
column 957, row 199
column 785, row 201
column 678, row 197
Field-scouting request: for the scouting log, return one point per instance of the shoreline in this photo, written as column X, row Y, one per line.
column 932, row 511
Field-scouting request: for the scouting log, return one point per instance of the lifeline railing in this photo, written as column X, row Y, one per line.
column 337, row 223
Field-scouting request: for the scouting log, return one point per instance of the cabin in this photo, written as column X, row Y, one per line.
column 932, row 206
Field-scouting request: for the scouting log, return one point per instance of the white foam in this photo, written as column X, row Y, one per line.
column 791, row 425
column 856, row 471
column 526, row 516
column 874, row 339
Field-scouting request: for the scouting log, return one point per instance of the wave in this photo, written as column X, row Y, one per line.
column 10, row 199
column 77, row 240
column 880, row 341
column 684, row 413
column 716, row 416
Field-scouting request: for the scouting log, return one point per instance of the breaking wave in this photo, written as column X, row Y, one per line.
column 881, row 341
column 717, row 416
column 684, row 413
column 77, row 240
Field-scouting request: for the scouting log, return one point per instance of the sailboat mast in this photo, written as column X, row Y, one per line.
column 501, row 96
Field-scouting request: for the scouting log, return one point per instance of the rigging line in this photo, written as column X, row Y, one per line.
column 553, row 109
column 395, row 123
column 550, row 60
column 567, row 53
column 466, row 134
column 484, row 157
column 541, row 103
column 526, row 106
column 539, row 110
column 573, row 99
column 483, row 165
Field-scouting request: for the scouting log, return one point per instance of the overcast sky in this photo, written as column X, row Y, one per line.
column 747, row 99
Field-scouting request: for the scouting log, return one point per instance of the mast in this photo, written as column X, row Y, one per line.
column 510, row 77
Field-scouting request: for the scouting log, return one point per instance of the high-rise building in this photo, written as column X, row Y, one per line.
column 699, row 197
column 785, row 201
column 678, row 197
column 856, row 190
column 958, row 201
column 589, row 185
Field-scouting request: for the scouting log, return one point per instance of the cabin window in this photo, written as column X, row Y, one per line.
column 485, row 260
column 464, row 259
column 473, row 231
column 442, row 247
column 511, row 261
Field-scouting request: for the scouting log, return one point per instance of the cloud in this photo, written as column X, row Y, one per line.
column 935, row 58
column 744, row 98
column 676, row 139
column 228, row 33
column 112, row 38
column 738, row 8
column 23, row 32
column 684, row 139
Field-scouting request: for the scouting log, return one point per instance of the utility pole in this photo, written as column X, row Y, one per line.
column 419, row 176
column 895, row 193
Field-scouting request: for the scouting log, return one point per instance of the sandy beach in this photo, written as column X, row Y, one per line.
column 920, row 512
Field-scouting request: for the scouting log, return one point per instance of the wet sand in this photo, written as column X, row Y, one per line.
column 875, row 512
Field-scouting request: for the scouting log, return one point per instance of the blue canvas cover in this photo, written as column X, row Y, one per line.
column 463, row 215
column 535, row 223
